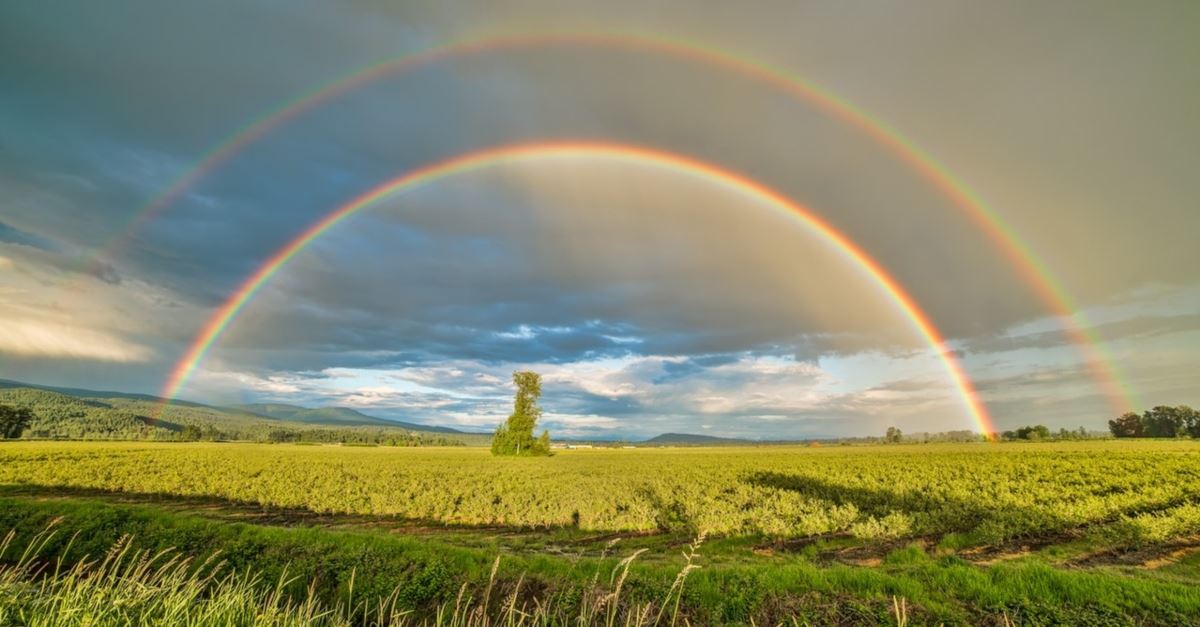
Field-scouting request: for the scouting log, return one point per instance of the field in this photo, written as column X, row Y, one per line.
column 1032, row 533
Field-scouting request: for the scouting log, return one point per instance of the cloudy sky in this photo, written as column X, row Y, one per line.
column 651, row 300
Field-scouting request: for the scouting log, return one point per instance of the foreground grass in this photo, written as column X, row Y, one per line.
column 116, row 564
column 128, row 586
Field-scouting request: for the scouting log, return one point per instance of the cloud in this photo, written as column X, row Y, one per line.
column 41, row 338
column 1120, row 330
column 50, row 312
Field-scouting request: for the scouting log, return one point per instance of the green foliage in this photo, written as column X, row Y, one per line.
column 1033, row 433
column 1129, row 425
column 992, row 493
column 191, row 433
column 64, row 417
column 893, row 525
column 13, row 421
column 515, row 436
column 61, row 416
column 893, row 435
column 1160, row 422
column 123, row 564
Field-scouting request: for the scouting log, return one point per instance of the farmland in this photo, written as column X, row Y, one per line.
column 1119, row 518
column 993, row 493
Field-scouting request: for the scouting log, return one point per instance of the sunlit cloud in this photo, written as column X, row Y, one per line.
column 43, row 338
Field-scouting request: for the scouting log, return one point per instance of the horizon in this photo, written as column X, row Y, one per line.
column 606, row 438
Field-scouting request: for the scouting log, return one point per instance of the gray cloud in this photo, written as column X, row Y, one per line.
column 1126, row 329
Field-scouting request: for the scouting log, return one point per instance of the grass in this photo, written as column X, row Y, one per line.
column 127, row 586
column 940, row 534
column 337, row 575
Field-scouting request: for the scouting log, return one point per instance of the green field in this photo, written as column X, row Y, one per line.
column 1097, row 532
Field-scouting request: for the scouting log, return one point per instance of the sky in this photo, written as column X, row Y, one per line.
column 650, row 299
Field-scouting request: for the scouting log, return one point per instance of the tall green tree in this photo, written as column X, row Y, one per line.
column 515, row 436
column 14, row 421
column 1190, row 419
column 1163, row 422
column 1034, row 432
column 1129, row 425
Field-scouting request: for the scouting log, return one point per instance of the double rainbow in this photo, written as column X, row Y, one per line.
column 1030, row 267
column 476, row 160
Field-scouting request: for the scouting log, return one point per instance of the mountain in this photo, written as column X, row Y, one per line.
column 692, row 439
column 74, row 413
column 8, row 384
column 333, row 416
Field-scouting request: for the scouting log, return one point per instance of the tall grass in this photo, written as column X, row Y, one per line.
column 129, row 586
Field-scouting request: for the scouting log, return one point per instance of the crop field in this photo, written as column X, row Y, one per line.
column 988, row 493
column 863, row 527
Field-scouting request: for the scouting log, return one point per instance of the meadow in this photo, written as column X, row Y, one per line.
column 1034, row 533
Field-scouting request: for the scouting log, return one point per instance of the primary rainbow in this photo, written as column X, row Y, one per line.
column 221, row 319
column 1032, row 269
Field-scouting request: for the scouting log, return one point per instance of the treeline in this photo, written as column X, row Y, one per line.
column 363, row 436
column 896, row 436
column 58, row 416
column 1161, row 422
column 1040, row 433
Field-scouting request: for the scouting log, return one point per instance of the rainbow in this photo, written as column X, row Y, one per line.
column 227, row 313
column 1032, row 269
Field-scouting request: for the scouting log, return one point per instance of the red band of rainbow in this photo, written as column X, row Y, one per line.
column 225, row 315
column 1032, row 269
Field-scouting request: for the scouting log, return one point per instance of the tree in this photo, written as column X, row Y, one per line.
column 515, row 436
column 1129, row 425
column 1034, row 432
column 1162, row 422
column 1190, row 419
column 893, row 435
column 13, row 421
column 191, row 433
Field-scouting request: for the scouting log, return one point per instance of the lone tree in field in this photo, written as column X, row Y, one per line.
column 515, row 436
column 13, row 421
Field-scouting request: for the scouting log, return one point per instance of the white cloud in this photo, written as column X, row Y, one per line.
column 46, row 338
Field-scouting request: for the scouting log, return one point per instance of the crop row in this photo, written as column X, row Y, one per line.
column 996, row 492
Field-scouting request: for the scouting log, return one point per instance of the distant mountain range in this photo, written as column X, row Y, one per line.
column 76, row 412
column 692, row 439
column 333, row 416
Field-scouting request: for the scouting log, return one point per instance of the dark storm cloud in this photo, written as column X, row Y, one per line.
column 1134, row 328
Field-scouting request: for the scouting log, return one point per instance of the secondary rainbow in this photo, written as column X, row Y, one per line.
column 1032, row 269
column 227, row 313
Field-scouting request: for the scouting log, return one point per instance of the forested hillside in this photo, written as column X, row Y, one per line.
column 131, row 417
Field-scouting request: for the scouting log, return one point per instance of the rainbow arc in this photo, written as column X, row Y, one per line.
column 228, row 312
column 1033, row 270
